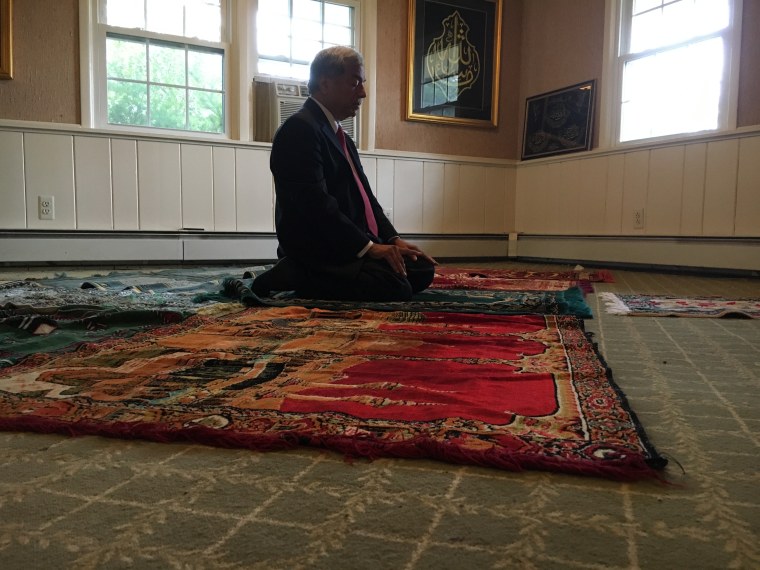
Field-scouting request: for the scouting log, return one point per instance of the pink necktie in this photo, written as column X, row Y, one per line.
column 371, row 222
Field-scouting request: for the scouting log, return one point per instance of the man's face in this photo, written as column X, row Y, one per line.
column 343, row 95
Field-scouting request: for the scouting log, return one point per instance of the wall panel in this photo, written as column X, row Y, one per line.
column 566, row 190
column 407, row 195
column 592, row 174
column 126, row 214
column 613, row 199
column 635, row 184
column 495, row 201
column 720, row 187
column 472, row 201
column 12, row 197
column 451, row 193
column 254, row 191
column 197, row 187
column 665, row 190
column 92, row 174
column 433, row 190
column 159, row 186
column 692, row 206
column 748, row 188
column 384, row 186
column 225, row 218
column 49, row 171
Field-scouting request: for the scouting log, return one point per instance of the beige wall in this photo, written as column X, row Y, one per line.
column 45, row 84
column 546, row 45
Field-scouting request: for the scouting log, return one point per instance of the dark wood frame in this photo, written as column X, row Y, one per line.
column 6, row 39
column 559, row 121
column 477, row 63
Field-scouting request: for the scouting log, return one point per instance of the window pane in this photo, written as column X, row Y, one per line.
column 338, row 15
column 205, row 69
column 677, row 22
column 167, row 65
column 167, row 107
column 206, row 111
column 274, row 38
column 308, row 9
column 644, row 5
column 338, row 35
column 673, row 92
column 203, row 19
column 125, row 13
column 126, row 59
column 306, row 30
column 127, row 103
column 305, row 51
column 273, row 9
column 277, row 68
column 166, row 16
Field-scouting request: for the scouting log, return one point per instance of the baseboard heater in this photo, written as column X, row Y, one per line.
column 30, row 248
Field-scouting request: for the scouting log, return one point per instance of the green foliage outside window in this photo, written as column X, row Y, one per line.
column 163, row 85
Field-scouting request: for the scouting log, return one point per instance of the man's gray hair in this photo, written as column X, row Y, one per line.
column 331, row 62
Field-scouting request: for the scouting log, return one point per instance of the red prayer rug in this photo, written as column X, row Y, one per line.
column 507, row 391
column 517, row 280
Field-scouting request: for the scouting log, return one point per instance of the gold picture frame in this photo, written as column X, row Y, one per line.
column 6, row 39
column 453, row 61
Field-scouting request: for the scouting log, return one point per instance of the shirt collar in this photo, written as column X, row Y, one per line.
column 331, row 119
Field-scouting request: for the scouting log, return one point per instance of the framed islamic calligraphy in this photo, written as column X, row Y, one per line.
column 559, row 121
column 453, row 61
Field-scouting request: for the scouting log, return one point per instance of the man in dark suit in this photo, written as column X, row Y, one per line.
column 335, row 242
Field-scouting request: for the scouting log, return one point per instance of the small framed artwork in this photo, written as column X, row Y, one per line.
column 6, row 39
column 559, row 121
column 453, row 61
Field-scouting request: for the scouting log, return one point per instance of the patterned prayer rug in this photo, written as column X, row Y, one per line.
column 514, row 280
column 670, row 306
column 59, row 313
column 512, row 392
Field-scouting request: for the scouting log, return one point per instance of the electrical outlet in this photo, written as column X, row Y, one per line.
column 638, row 219
column 388, row 213
column 46, row 207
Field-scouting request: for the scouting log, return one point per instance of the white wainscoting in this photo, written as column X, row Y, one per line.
column 461, row 207
column 102, row 182
column 699, row 189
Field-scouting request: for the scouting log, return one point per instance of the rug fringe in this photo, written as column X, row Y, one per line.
column 614, row 305
column 628, row 468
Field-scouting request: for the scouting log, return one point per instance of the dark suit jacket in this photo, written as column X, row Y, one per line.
column 319, row 211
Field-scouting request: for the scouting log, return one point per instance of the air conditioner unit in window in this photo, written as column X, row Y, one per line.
column 274, row 100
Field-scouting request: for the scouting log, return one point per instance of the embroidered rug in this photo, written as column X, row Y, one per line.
column 512, row 392
column 670, row 306
column 567, row 302
column 59, row 313
column 517, row 280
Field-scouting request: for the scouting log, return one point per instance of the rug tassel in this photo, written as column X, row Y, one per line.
column 614, row 304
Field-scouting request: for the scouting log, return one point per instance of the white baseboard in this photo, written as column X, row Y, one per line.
column 702, row 253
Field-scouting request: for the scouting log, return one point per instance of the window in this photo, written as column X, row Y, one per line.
column 674, row 66
column 186, row 67
column 290, row 33
column 164, row 64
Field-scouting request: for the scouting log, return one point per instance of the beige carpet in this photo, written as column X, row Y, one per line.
column 97, row 503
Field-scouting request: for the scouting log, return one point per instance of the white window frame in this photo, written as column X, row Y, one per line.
column 612, row 80
column 94, row 93
column 240, row 56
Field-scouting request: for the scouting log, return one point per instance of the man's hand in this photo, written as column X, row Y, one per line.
column 417, row 251
column 394, row 254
